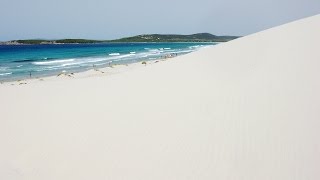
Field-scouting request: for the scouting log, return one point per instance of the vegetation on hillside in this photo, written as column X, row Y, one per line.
column 80, row 41
column 201, row 37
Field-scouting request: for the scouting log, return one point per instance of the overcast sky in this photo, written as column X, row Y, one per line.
column 109, row 19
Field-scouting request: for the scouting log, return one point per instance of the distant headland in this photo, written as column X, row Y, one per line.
column 200, row 37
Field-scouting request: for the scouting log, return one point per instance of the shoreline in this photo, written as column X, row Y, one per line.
column 92, row 72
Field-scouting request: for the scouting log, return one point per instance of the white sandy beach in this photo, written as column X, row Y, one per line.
column 248, row 109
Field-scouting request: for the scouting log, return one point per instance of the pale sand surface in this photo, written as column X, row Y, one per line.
column 243, row 110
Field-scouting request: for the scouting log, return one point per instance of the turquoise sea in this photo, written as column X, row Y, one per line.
column 19, row 61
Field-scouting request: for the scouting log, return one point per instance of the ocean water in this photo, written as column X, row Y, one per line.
column 19, row 61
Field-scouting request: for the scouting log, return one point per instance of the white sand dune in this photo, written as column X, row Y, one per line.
column 243, row 110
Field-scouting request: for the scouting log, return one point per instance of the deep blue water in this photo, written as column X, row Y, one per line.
column 18, row 61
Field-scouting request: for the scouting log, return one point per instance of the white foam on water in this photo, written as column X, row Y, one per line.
column 114, row 54
column 5, row 74
column 154, row 50
column 56, row 68
column 70, row 64
column 169, row 50
column 52, row 62
column 145, row 56
column 194, row 47
column 89, row 60
column 132, row 52
column 127, row 55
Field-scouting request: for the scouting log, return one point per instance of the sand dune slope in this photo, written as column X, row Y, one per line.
column 244, row 110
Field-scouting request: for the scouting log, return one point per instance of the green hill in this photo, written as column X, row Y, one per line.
column 201, row 37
